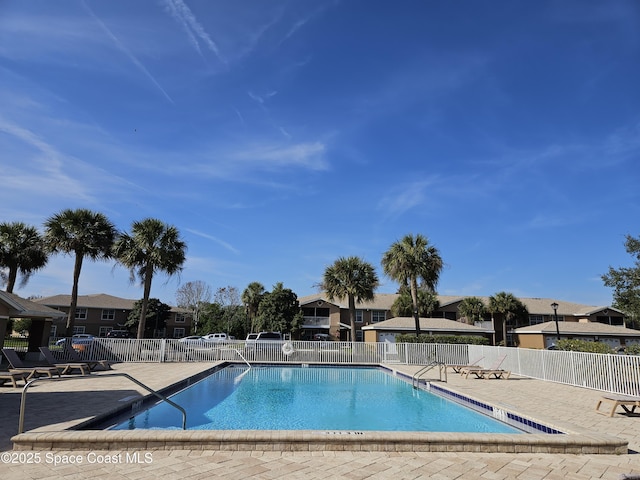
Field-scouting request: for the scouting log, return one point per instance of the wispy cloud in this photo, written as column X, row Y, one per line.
column 303, row 155
column 127, row 52
column 405, row 197
column 226, row 245
column 195, row 31
column 49, row 172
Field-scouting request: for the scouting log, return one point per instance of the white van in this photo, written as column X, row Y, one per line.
column 265, row 339
column 216, row 337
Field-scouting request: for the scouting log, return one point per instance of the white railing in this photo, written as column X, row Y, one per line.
column 611, row 373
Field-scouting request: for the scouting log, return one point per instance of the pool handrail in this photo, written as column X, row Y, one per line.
column 23, row 396
column 415, row 379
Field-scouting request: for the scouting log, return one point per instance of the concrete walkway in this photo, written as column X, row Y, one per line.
column 52, row 406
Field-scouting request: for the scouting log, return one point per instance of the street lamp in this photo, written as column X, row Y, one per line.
column 554, row 305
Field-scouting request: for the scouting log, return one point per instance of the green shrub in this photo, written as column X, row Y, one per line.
column 460, row 339
column 575, row 345
column 632, row 349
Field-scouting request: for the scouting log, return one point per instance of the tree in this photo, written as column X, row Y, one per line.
column 152, row 247
column 192, row 296
column 410, row 260
column 84, row 234
column 22, row 251
column 233, row 318
column 156, row 315
column 251, row 297
column 509, row 308
column 351, row 278
column 626, row 282
column 403, row 305
column 472, row 309
column 279, row 311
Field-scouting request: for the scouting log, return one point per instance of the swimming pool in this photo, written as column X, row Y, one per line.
column 312, row 398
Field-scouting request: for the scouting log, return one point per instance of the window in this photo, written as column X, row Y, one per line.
column 180, row 318
column 610, row 320
column 108, row 314
column 81, row 314
column 378, row 316
column 54, row 330
column 536, row 319
column 78, row 329
column 104, row 330
column 178, row 332
column 359, row 316
column 359, row 336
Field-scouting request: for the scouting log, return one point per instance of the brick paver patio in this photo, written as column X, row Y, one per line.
column 54, row 405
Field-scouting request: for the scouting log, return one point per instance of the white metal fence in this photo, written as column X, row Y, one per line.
column 611, row 373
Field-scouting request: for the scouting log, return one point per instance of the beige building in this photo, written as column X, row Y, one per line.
column 100, row 313
column 322, row 315
column 545, row 335
column 388, row 330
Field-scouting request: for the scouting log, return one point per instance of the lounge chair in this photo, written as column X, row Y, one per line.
column 93, row 364
column 624, row 401
column 458, row 368
column 12, row 376
column 487, row 372
column 64, row 367
column 32, row 372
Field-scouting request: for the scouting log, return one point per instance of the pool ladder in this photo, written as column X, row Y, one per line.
column 442, row 368
column 23, row 397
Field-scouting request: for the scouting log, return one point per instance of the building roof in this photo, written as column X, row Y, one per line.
column 22, row 308
column 381, row 301
column 578, row 328
column 96, row 300
column 535, row 306
column 427, row 325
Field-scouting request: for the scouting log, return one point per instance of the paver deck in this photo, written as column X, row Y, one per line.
column 52, row 406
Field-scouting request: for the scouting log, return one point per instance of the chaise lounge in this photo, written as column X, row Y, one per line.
column 93, row 364
column 32, row 372
column 12, row 376
column 624, row 401
column 486, row 373
column 65, row 368
column 459, row 368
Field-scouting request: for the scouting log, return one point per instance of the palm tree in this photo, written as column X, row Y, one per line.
column 403, row 305
column 412, row 259
column 472, row 309
column 251, row 297
column 353, row 278
column 509, row 307
column 22, row 251
column 153, row 246
column 82, row 233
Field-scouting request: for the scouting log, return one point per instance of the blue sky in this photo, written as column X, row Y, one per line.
column 280, row 135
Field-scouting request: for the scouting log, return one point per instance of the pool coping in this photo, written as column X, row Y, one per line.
column 572, row 439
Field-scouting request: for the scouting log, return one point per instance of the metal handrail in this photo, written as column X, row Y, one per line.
column 23, row 397
column 415, row 379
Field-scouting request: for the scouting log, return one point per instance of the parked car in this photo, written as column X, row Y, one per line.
column 78, row 339
column 119, row 334
column 265, row 340
column 217, row 337
column 322, row 337
column 192, row 339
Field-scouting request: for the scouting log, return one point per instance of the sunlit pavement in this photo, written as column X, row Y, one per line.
column 55, row 405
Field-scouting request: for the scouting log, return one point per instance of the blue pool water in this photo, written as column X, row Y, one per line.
column 314, row 398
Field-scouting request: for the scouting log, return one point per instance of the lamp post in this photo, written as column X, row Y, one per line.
column 554, row 305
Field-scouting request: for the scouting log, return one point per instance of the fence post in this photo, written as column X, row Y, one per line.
column 163, row 346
